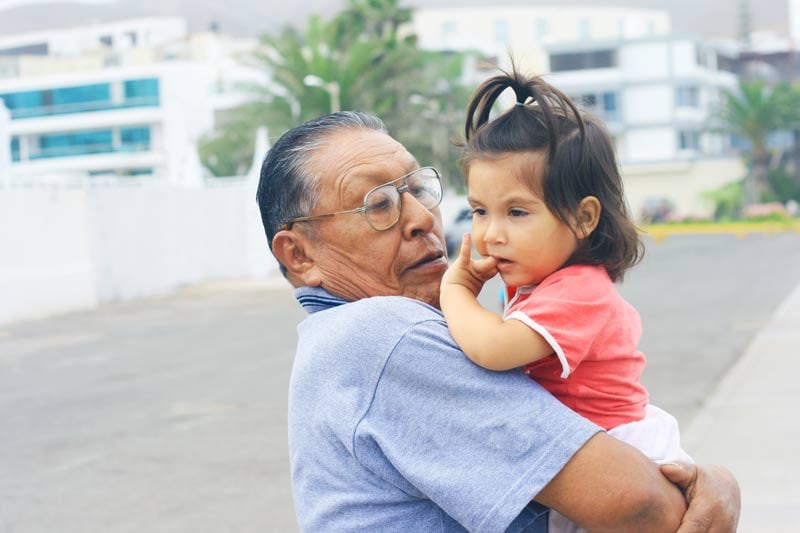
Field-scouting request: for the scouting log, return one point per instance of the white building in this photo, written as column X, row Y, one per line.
column 5, row 143
column 126, row 98
column 656, row 95
column 654, row 90
column 525, row 30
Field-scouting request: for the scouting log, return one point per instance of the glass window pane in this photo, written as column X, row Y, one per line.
column 15, row 148
column 143, row 91
column 135, row 139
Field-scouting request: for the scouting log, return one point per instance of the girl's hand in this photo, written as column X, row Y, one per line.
column 467, row 272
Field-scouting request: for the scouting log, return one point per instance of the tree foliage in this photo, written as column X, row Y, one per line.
column 375, row 65
column 752, row 113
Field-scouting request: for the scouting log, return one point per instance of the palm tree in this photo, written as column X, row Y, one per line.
column 752, row 113
column 358, row 53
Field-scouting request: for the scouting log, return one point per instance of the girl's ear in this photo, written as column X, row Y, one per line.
column 588, row 216
column 292, row 249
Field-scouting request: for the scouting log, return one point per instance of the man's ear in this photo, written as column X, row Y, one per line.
column 588, row 216
column 292, row 249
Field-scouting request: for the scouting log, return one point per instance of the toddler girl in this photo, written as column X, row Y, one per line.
column 549, row 216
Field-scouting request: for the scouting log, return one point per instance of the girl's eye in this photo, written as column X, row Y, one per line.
column 479, row 211
column 517, row 213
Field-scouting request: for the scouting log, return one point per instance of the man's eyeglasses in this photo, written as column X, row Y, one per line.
column 383, row 204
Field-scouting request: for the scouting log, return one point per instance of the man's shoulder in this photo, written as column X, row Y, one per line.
column 379, row 319
column 400, row 311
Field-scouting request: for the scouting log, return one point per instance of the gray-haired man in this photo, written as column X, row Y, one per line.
column 391, row 428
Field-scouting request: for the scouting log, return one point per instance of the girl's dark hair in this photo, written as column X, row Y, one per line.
column 579, row 162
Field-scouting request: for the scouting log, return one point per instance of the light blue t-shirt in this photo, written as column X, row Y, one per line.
column 392, row 428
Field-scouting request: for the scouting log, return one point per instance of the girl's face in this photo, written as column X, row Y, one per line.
column 512, row 224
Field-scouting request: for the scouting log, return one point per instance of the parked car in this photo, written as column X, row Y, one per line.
column 461, row 224
column 655, row 210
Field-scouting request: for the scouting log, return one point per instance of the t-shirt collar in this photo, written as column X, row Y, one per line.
column 314, row 299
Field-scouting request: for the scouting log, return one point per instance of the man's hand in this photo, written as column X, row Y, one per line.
column 712, row 494
column 467, row 272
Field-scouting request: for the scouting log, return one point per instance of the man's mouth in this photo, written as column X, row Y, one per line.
column 430, row 258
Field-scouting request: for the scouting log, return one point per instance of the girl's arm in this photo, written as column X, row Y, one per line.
column 485, row 337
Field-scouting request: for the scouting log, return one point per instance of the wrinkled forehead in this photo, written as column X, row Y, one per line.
column 350, row 162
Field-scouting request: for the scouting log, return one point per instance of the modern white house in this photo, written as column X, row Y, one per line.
column 5, row 143
column 653, row 89
column 129, row 98
column 656, row 96
column 524, row 31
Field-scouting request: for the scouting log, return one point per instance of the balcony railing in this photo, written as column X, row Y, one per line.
column 83, row 107
column 87, row 149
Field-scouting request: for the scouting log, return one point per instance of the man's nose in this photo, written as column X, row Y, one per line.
column 415, row 217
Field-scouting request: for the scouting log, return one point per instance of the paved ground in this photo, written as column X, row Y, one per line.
column 169, row 414
column 750, row 424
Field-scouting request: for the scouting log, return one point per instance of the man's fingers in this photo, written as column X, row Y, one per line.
column 695, row 524
column 712, row 494
column 681, row 474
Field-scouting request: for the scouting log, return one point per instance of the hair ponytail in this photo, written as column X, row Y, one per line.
column 535, row 99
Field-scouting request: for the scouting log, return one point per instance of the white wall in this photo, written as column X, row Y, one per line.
column 684, row 183
column 644, row 61
column 5, row 142
column 71, row 248
column 648, row 104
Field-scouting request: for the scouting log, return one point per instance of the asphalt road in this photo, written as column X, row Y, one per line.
column 169, row 414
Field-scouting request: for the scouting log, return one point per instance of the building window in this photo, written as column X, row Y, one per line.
column 122, row 172
column 135, row 139
column 687, row 96
column 583, row 60
column 66, row 100
column 689, row 140
column 501, row 31
column 584, row 29
column 81, row 98
column 38, row 49
column 621, row 28
column 142, row 92
column 19, row 103
column 610, row 105
column 726, row 64
column 74, row 144
column 449, row 28
column 106, row 40
column 701, row 56
column 131, row 37
column 602, row 104
column 15, row 149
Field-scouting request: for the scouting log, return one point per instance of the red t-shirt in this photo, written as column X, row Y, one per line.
column 594, row 333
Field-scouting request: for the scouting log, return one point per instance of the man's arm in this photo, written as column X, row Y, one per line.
column 610, row 486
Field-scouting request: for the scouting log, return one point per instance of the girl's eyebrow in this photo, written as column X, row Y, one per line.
column 511, row 200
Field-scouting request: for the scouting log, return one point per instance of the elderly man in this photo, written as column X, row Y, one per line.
column 391, row 427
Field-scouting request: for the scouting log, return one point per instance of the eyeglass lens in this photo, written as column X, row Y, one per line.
column 383, row 203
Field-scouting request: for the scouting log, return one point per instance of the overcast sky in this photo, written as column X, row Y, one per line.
column 253, row 17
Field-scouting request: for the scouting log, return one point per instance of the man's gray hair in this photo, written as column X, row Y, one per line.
column 288, row 187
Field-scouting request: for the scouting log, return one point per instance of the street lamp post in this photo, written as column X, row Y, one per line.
column 332, row 88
